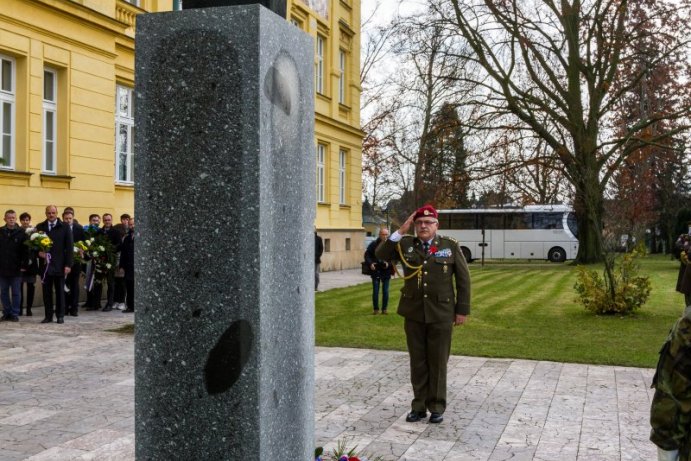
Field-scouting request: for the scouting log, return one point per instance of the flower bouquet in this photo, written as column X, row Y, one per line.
column 38, row 241
column 341, row 453
column 80, row 249
column 100, row 254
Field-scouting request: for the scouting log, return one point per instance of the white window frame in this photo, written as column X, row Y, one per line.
column 342, row 176
column 50, row 108
column 319, row 66
column 321, row 173
column 8, row 99
column 341, row 81
column 124, row 120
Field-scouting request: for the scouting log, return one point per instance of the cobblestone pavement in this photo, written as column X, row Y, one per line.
column 67, row 393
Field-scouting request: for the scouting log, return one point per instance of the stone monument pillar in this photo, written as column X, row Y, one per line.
column 225, row 206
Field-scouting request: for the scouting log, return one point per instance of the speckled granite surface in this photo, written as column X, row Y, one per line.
column 224, row 206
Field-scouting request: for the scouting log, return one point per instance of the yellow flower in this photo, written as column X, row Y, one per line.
column 45, row 241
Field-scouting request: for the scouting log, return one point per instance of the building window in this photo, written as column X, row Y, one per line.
column 296, row 22
column 7, row 100
column 319, row 71
column 124, row 134
column 347, row 244
column 50, row 120
column 321, row 172
column 342, row 162
column 134, row 2
column 327, row 245
column 341, row 81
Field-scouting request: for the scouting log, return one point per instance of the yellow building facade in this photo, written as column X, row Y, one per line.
column 67, row 110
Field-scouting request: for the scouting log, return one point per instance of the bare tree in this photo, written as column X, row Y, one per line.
column 556, row 66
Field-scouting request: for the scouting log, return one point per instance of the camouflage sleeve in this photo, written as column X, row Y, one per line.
column 670, row 412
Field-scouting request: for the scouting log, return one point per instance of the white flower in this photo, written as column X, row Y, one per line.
column 109, row 265
column 100, row 248
column 35, row 235
column 30, row 230
column 95, row 253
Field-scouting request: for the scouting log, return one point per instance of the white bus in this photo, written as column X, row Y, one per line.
column 533, row 232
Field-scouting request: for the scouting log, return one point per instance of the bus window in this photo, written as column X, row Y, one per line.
column 462, row 221
column 572, row 223
column 548, row 221
column 493, row 221
column 519, row 221
column 444, row 221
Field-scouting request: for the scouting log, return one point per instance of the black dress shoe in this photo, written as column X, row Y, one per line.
column 61, row 320
column 436, row 418
column 28, row 313
column 47, row 321
column 74, row 313
column 415, row 416
column 128, row 311
column 107, row 309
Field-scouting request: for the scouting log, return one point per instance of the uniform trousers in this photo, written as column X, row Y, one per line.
column 54, row 283
column 429, row 346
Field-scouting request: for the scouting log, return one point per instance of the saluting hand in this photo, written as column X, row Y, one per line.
column 406, row 225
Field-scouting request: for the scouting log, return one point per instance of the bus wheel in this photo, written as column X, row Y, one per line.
column 557, row 255
column 466, row 254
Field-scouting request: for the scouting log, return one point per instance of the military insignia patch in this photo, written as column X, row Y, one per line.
column 445, row 253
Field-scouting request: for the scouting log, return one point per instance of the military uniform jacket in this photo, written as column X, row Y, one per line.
column 670, row 412
column 428, row 294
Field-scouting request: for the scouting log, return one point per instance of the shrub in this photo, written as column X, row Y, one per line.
column 619, row 291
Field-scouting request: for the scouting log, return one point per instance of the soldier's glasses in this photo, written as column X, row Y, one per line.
column 426, row 222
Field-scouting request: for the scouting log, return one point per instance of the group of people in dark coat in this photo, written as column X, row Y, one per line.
column 56, row 267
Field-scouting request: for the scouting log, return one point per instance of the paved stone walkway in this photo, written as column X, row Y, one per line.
column 67, row 391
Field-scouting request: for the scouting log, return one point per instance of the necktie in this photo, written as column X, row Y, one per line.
column 50, row 227
column 426, row 247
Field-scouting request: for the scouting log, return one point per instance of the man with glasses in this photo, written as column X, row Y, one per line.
column 432, row 265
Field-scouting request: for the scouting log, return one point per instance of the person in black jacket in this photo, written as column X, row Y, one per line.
column 318, row 251
column 127, row 264
column 72, row 279
column 114, row 236
column 13, row 258
column 56, row 264
column 29, row 275
column 381, row 273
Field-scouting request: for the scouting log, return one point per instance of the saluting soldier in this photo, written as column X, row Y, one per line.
column 432, row 265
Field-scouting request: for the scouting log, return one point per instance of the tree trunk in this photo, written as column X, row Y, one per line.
column 588, row 206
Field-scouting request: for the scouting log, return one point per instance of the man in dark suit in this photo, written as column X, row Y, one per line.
column 114, row 236
column 56, row 264
column 72, row 279
column 432, row 264
column 127, row 264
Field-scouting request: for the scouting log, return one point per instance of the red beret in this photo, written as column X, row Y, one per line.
column 426, row 211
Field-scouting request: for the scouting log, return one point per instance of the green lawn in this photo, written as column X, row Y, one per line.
column 519, row 311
